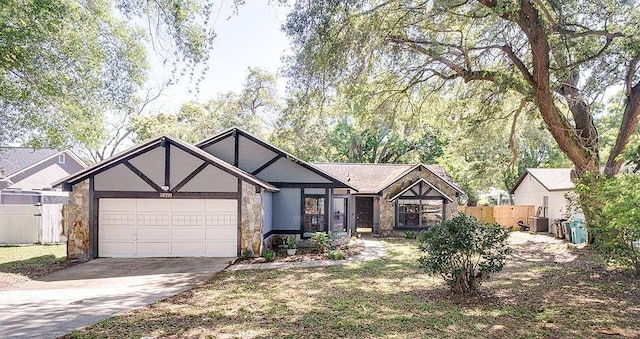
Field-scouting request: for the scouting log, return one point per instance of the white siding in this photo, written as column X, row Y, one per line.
column 42, row 179
column 531, row 192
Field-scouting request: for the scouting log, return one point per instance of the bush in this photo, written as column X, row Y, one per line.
column 336, row 255
column 290, row 243
column 613, row 217
column 410, row 235
column 269, row 255
column 464, row 251
column 321, row 241
column 246, row 254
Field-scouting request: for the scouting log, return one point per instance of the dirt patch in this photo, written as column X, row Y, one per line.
column 8, row 279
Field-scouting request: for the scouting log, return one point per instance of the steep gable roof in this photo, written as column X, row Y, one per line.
column 416, row 183
column 152, row 143
column 281, row 154
column 552, row 179
column 14, row 159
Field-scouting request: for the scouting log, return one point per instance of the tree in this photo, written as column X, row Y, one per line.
column 616, row 219
column 252, row 110
column 350, row 142
column 559, row 56
column 66, row 65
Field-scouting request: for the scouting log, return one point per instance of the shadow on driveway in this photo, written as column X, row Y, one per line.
column 87, row 293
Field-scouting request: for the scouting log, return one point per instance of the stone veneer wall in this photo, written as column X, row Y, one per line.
column 387, row 208
column 76, row 222
column 251, row 223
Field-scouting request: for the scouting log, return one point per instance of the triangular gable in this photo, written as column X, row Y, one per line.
column 264, row 160
column 145, row 157
column 419, row 166
column 421, row 192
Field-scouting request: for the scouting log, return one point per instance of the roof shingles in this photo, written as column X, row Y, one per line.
column 14, row 159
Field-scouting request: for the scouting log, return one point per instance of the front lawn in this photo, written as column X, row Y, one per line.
column 548, row 289
column 18, row 263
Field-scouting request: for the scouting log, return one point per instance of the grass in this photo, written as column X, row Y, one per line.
column 29, row 261
column 546, row 290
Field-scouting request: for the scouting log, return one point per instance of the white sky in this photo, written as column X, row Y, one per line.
column 252, row 38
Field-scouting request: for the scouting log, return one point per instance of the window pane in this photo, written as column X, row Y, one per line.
column 339, row 221
column 419, row 213
column 314, row 219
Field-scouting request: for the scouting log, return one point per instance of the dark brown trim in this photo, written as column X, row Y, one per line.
column 236, row 148
column 206, row 160
column 419, row 166
column 239, row 219
column 267, row 164
column 304, row 185
column 167, row 164
column 189, row 177
column 94, row 207
column 239, row 132
column 132, row 154
column 156, row 195
column 275, row 232
column 301, row 212
column 214, row 140
column 142, row 176
column 414, row 192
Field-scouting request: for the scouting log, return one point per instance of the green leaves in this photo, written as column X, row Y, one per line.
column 611, row 205
column 464, row 251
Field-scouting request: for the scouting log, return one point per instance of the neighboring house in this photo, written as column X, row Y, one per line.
column 231, row 193
column 545, row 188
column 24, row 171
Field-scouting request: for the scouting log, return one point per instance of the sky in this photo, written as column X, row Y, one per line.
column 252, row 38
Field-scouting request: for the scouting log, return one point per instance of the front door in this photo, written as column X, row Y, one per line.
column 364, row 212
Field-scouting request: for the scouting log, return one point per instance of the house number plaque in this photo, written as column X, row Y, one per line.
column 166, row 194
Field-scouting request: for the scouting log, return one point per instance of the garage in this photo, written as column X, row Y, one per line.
column 167, row 228
column 163, row 198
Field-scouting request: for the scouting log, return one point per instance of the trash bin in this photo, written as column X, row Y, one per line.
column 578, row 231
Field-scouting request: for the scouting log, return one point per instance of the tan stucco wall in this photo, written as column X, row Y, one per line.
column 387, row 208
column 76, row 222
column 251, row 224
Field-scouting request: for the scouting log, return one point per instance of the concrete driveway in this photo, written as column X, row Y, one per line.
column 88, row 293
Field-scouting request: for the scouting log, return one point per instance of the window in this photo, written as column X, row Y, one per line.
column 61, row 158
column 339, row 221
column 419, row 212
column 314, row 214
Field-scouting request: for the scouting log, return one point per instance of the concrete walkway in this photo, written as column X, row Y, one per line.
column 373, row 250
column 84, row 294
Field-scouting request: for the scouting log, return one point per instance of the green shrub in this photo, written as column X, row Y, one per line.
column 410, row 235
column 290, row 243
column 613, row 217
column 321, row 241
column 269, row 255
column 464, row 251
column 335, row 255
column 246, row 254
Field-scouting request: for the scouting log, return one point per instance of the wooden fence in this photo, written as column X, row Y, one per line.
column 29, row 224
column 505, row 215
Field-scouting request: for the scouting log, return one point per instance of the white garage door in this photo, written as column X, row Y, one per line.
column 167, row 228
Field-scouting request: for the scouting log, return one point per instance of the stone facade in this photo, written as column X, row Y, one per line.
column 251, row 223
column 387, row 208
column 76, row 222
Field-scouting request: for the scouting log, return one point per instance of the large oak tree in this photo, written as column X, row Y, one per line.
column 560, row 56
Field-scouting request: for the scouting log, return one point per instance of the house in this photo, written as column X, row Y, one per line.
column 233, row 193
column 25, row 172
column 393, row 198
column 545, row 188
